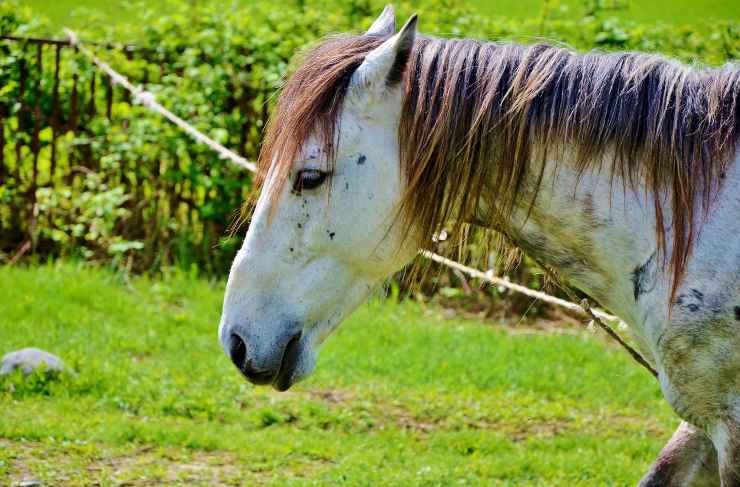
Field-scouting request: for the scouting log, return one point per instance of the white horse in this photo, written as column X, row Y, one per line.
column 618, row 170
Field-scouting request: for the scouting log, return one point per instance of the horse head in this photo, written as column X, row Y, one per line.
column 324, row 232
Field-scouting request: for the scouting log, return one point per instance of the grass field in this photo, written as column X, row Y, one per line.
column 75, row 12
column 402, row 396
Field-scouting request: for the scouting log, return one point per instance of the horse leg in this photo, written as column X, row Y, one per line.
column 726, row 438
column 688, row 460
column 699, row 367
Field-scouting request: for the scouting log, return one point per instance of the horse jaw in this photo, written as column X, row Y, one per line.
column 321, row 252
column 309, row 261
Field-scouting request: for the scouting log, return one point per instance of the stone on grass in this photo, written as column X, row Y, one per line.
column 28, row 483
column 29, row 360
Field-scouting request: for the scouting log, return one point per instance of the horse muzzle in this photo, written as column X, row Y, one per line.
column 275, row 362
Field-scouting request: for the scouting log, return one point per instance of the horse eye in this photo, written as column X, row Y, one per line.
column 309, row 179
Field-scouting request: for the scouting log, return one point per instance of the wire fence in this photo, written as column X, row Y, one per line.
column 86, row 171
column 147, row 99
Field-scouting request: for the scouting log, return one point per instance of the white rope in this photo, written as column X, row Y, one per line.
column 498, row 281
column 148, row 100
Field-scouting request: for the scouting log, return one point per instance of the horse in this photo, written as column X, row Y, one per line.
column 617, row 170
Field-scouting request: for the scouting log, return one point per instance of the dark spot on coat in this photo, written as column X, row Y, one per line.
column 300, row 226
column 642, row 278
column 588, row 204
column 589, row 211
column 660, row 338
column 361, row 160
column 737, row 313
column 291, row 249
column 331, row 235
column 694, row 301
column 346, row 186
column 698, row 294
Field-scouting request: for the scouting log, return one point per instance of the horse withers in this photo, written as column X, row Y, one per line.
column 617, row 170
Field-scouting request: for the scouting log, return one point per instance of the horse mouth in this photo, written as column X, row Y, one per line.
column 284, row 378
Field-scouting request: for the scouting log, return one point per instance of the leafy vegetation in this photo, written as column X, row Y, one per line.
column 73, row 143
column 404, row 394
column 692, row 12
column 85, row 172
column 401, row 395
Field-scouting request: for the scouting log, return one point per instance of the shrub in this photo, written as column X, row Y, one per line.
column 86, row 172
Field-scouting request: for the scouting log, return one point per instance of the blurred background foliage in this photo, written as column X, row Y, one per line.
column 87, row 173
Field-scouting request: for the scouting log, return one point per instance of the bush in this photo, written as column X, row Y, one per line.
column 86, row 172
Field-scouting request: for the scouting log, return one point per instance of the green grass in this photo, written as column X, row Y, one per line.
column 401, row 396
column 75, row 13
column 690, row 12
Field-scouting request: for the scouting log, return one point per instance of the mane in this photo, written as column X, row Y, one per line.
column 485, row 116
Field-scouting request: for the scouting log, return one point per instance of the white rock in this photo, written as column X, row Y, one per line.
column 30, row 359
column 28, row 483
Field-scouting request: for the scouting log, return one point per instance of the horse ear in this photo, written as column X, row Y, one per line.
column 384, row 25
column 384, row 65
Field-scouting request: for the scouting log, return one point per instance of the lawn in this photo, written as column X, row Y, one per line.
column 402, row 396
column 74, row 13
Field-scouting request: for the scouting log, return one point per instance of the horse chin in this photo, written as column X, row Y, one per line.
column 297, row 364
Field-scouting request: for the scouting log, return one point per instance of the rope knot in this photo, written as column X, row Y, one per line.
column 145, row 98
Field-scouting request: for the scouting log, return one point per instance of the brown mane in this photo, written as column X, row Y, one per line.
column 480, row 116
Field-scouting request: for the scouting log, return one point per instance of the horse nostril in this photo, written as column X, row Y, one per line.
column 238, row 354
column 238, row 350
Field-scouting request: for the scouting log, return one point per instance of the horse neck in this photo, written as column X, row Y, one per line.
column 591, row 231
